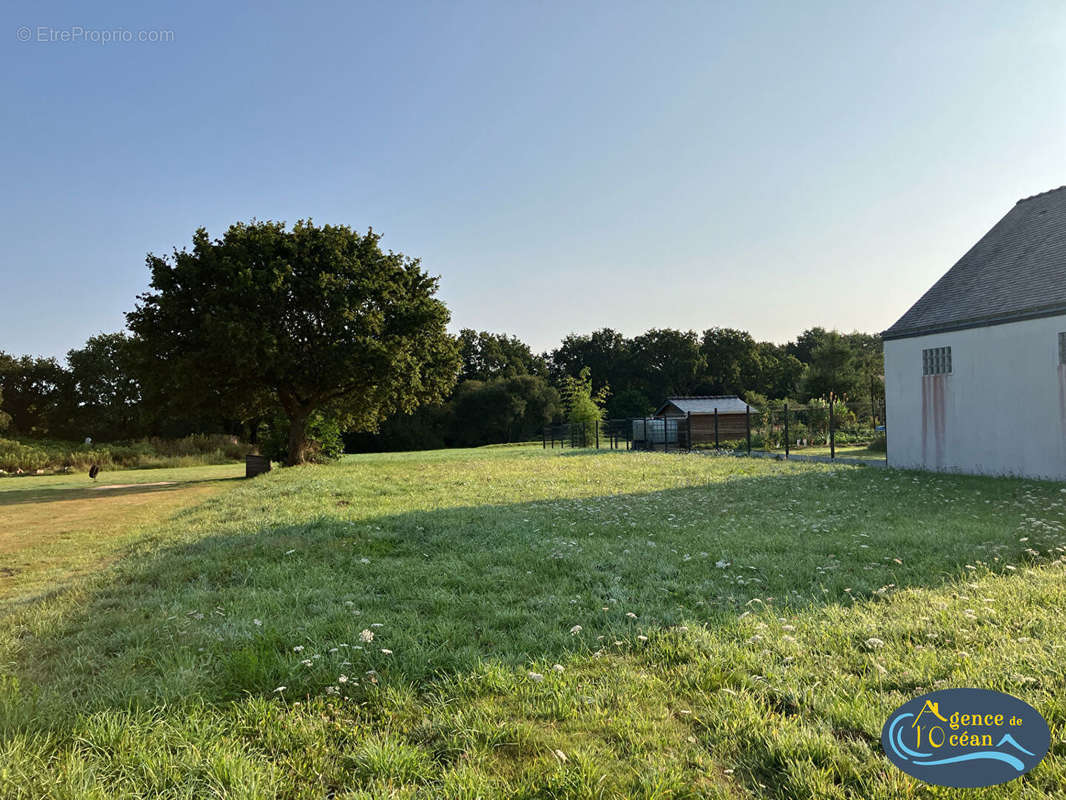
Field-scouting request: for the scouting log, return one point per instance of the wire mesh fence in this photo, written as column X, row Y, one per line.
column 819, row 429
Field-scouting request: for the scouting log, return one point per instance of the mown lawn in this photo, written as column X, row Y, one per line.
column 56, row 527
column 514, row 623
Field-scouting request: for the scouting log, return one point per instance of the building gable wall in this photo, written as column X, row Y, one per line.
column 1001, row 410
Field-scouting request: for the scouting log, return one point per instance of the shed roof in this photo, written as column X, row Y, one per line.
column 1016, row 271
column 706, row 404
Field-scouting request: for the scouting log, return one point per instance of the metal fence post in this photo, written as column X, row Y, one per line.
column 747, row 424
column 873, row 408
column 716, row 428
column 688, row 426
column 786, row 430
column 597, row 424
column 832, row 430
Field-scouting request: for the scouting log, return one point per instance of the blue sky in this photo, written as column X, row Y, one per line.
column 561, row 166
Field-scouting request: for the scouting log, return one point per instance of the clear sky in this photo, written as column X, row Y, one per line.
column 562, row 166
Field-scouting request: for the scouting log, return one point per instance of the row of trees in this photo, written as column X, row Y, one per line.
column 507, row 393
column 503, row 391
column 641, row 371
column 313, row 328
column 290, row 332
column 108, row 390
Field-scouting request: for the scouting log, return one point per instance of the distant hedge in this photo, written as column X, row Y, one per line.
column 51, row 455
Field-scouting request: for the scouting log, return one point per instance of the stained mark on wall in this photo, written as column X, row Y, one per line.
column 934, row 419
column 1062, row 398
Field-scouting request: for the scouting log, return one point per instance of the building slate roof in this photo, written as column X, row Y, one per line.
column 706, row 404
column 1016, row 271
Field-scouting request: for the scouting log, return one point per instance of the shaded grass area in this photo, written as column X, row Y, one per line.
column 711, row 622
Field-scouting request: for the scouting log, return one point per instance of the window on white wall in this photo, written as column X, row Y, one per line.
column 1062, row 348
column 937, row 360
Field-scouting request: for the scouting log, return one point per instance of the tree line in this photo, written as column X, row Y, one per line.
column 292, row 336
column 507, row 393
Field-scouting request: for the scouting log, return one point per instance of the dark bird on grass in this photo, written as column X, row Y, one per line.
column 94, row 470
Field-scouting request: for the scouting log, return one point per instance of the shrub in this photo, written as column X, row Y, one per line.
column 757, row 443
column 326, row 441
column 17, row 457
column 323, row 435
column 199, row 444
column 879, row 444
column 54, row 454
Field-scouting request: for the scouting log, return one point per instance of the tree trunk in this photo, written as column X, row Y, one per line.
column 298, row 438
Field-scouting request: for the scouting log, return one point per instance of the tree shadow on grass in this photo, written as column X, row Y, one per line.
column 410, row 596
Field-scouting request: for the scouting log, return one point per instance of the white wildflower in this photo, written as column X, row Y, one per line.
column 366, row 635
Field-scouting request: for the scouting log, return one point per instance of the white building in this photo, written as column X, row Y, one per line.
column 975, row 371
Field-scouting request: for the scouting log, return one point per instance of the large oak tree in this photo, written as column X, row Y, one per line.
column 312, row 319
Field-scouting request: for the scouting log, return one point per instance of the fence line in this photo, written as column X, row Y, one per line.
column 764, row 432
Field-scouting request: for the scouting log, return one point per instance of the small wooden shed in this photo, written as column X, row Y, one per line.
column 701, row 409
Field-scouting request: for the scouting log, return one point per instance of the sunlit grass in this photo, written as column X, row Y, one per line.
column 55, row 527
column 842, row 451
column 514, row 623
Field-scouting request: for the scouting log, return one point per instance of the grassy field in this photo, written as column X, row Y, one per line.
column 54, row 528
column 517, row 623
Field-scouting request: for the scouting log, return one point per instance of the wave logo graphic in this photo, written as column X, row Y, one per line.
column 965, row 737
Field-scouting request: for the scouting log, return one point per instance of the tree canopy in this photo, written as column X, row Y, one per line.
column 107, row 394
column 313, row 318
column 37, row 395
column 486, row 356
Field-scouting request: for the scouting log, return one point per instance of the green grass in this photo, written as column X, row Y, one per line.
column 842, row 451
column 721, row 627
column 53, row 528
